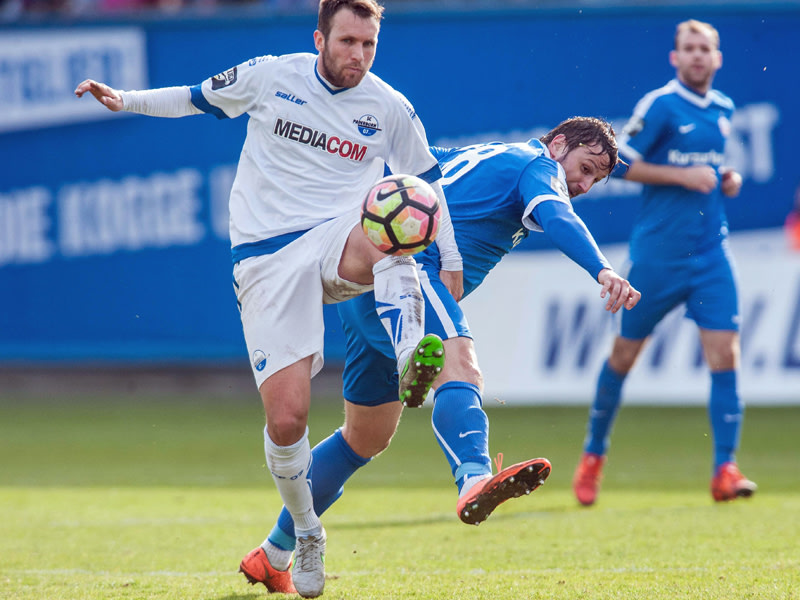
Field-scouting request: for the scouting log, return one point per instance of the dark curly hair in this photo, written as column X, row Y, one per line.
column 587, row 131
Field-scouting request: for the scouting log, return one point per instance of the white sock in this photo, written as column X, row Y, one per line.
column 290, row 466
column 278, row 557
column 470, row 482
column 399, row 302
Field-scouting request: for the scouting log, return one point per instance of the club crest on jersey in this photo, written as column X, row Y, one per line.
column 724, row 125
column 367, row 125
column 259, row 360
column 224, row 79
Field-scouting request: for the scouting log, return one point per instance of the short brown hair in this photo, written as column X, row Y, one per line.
column 587, row 131
column 363, row 8
column 696, row 26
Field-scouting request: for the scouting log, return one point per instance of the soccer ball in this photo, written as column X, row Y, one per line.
column 400, row 215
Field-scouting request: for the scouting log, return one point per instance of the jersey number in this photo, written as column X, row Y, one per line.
column 470, row 158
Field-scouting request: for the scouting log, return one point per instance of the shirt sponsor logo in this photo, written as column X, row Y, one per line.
column 290, row 97
column 367, row 125
column 331, row 144
column 682, row 159
column 224, row 79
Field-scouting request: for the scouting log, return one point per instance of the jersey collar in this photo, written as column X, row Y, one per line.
column 692, row 96
column 332, row 89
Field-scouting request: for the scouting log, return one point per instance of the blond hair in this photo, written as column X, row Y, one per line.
column 695, row 26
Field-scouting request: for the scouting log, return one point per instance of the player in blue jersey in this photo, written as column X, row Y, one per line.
column 497, row 193
column 675, row 144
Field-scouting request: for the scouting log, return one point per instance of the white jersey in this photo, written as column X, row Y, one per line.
column 312, row 151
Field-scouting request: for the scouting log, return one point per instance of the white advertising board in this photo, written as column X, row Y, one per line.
column 542, row 333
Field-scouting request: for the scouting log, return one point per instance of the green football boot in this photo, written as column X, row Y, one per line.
column 421, row 370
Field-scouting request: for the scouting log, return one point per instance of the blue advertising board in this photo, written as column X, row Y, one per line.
column 113, row 227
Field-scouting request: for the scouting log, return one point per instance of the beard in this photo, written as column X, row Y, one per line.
column 698, row 78
column 337, row 75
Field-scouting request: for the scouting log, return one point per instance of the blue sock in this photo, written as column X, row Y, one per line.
column 333, row 462
column 725, row 412
column 462, row 429
column 604, row 410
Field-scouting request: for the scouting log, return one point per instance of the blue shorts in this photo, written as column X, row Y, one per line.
column 705, row 283
column 370, row 371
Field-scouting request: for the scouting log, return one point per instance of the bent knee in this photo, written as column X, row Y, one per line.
column 368, row 445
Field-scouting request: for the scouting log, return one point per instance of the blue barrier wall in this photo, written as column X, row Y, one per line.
column 113, row 228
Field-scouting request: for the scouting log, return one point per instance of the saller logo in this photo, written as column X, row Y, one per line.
column 331, row 144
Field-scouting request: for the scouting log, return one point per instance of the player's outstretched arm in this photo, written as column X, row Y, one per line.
column 698, row 178
column 108, row 97
column 617, row 290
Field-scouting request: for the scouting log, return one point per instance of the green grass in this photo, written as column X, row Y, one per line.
column 161, row 497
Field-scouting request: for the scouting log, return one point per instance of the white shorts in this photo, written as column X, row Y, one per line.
column 281, row 296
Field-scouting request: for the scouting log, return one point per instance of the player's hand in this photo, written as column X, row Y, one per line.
column 700, row 178
column 618, row 291
column 105, row 95
column 454, row 282
column 731, row 182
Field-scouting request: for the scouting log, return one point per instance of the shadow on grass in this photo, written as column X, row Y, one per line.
column 439, row 518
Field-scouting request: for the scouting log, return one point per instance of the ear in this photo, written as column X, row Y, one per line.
column 319, row 40
column 718, row 61
column 557, row 146
column 673, row 59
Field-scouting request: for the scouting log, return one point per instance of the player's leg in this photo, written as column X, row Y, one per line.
column 608, row 393
column 725, row 410
column 459, row 422
column 399, row 303
column 461, row 427
column 714, row 307
column 280, row 297
column 370, row 379
column 662, row 289
column 367, row 431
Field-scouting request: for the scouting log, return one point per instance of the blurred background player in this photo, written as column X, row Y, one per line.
column 295, row 233
column 497, row 194
column 675, row 144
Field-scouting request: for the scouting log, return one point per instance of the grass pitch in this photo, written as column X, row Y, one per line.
column 136, row 498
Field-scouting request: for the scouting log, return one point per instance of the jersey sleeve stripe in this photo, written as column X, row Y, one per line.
column 199, row 100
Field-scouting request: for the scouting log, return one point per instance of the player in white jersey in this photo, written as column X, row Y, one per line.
column 321, row 129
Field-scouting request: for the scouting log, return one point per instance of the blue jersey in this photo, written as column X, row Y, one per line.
column 496, row 193
column 674, row 125
column 491, row 208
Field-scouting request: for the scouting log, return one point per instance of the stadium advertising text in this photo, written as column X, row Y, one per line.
column 101, row 217
column 563, row 335
column 39, row 71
